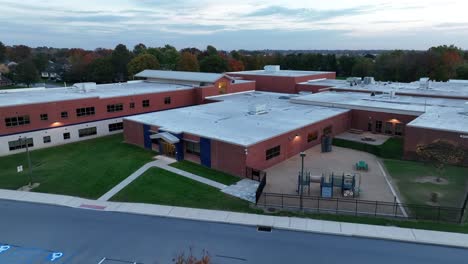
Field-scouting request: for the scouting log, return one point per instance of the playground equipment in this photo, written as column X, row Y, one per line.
column 348, row 183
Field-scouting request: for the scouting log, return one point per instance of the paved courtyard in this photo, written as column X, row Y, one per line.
column 372, row 139
column 282, row 178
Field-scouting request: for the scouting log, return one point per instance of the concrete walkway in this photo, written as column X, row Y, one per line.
column 163, row 164
column 276, row 222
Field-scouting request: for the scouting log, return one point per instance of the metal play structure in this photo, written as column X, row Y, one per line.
column 348, row 183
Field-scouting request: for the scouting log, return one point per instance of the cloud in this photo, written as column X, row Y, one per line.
column 306, row 13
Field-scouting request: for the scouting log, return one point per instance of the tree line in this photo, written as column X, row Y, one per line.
column 121, row 63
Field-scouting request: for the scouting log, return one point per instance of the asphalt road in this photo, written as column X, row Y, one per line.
column 33, row 233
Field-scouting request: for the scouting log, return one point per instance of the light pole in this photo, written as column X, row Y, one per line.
column 302, row 154
column 29, row 159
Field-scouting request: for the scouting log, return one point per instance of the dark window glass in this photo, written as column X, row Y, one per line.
column 44, row 117
column 192, row 147
column 167, row 100
column 132, row 105
column 86, row 132
column 114, row 108
column 312, row 136
column 17, row 121
column 46, row 139
column 66, row 135
column 328, row 130
column 399, row 129
column 388, row 128
column 115, row 126
column 378, row 126
column 64, row 114
column 273, row 152
column 85, row 111
column 145, row 103
column 20, row 143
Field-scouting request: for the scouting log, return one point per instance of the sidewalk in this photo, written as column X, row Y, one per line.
column 276, row 222
column 163, row 164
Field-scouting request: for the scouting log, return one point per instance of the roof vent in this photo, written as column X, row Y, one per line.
column 369, row 80
column 272, row 68
column 258, row 109
column 424, row 83
column 284, row 97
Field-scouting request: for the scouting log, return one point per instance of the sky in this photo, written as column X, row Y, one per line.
column 239, row 24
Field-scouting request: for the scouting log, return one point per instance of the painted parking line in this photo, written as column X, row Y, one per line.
column 14, row 254
column 116, row 261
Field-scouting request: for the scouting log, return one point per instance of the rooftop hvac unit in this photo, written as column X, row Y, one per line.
column 369, row 80
column 257, row 109
column 272, row 68
column 85, row 87
column 424, row 83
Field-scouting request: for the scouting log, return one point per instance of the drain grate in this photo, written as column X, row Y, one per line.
column 264, row 229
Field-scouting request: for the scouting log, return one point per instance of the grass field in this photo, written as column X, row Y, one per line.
column 202, row 171
column 410, row 178
column 159, row 186
column 391, row 149
column 86, row 169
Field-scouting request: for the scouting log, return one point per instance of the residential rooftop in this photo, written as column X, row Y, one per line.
column 242, row 119
column 181, row 76
column 13, row 97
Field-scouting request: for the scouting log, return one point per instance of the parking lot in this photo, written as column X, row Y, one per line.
column 283, row 177
column 15, row 254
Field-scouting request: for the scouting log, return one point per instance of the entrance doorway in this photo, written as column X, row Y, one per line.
column 168, row 149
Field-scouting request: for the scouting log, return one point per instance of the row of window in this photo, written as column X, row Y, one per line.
column 84, row 111
column 390, row 128
column 85, row 132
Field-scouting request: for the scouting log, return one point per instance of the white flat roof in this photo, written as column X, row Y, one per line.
column 229, row 120
column 181, row 75
column 285, row 73
column 433, row 113
column 452, row 88
column 33, row 96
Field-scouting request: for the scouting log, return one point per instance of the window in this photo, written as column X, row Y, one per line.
column 115, row 127
column 145, row 103
column 132, row 105
column 312, row 136
column 46, row 139
column 17, row 121
column 222, row 87
column 114, row 108
column 369, row 126
column 20, row 143
column 167, row 100
column 192, row 147
column 328, row 130
column 378, row 126
column 66, row 135
column 273, row 152
column 85, row 111
column 398, row 129
column 388, row 128
column 44, row 117
column 86, row 132
column 64, row 114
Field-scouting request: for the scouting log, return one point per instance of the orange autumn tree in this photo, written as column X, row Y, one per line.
column 440, row 153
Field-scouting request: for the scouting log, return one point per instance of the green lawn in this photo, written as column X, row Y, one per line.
column 86, row 169
column 391, row 149
column 203, row 171
column 159, row 186
column 406, row 175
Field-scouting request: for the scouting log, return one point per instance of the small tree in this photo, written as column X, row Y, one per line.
column 142, row 62
column 441, row 153
column 26, row 72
